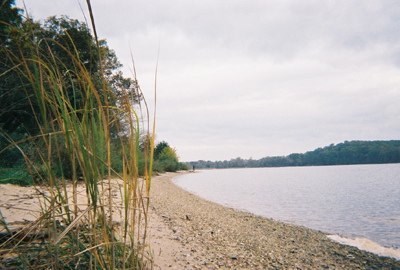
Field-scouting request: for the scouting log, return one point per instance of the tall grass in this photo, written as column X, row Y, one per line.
column 98, row 230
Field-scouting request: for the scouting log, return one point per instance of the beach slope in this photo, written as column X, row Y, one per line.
column 188, row 232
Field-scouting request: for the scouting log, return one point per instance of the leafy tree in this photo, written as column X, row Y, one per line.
column 159, row 148
column 65, row 42
column 166, row 159
column 13, row 109
column 10, row 17
column 64, row 36
column 168, row 153
column 61, row 40
column 10, row 21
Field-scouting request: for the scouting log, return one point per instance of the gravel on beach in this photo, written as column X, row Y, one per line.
column 188, row 232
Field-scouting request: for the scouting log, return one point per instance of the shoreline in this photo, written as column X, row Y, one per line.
column 187, row 232
column 200, row 234
column 354, row 239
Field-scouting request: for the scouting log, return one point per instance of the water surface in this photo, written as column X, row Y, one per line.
column 352, row 201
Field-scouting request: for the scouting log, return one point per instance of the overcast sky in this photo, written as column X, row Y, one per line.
column 257, row 78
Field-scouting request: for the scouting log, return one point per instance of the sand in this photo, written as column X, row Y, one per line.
column 187, row 232
column 205, row 235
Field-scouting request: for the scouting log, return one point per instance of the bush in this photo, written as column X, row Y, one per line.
column 17, row 176
column 183, row 166
column 166, row 159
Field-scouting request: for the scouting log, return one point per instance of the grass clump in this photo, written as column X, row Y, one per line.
column 83, row 139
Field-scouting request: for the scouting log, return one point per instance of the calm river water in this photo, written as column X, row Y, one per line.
column 353, row 201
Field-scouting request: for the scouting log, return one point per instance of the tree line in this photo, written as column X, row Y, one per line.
column 346, row 153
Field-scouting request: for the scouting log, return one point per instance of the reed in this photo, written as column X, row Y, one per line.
column 96, row 216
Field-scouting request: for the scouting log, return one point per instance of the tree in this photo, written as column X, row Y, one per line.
column 169, row 154
column 13, row 103
column 10, row 21
column 159, row 148
column 64, row 36
column 348, row 152
column 166, row 159
column 68, row 45
column 10, row 17
column 64, row 41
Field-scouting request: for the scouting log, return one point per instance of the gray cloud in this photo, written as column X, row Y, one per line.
column 257, row 78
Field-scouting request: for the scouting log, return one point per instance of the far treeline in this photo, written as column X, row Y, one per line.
column 346, row 153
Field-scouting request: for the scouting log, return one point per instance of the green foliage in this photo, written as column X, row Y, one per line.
column 15, row 108
column 63, row 35
column 159, row 148
column 68, row 114
column 165, row 166
column 166, row 159
column 10, row 17
column 17, row 176
column 69, row 47
column 183, row 166
column 66, row 42
column 348, row 152
column 168, row 153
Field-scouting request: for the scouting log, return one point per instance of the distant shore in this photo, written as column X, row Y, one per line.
column 188, row 232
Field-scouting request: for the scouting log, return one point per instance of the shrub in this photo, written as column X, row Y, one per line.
column 17, row 176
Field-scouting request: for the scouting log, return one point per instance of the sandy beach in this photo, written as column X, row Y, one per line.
column 187, row 232
column 191, row 233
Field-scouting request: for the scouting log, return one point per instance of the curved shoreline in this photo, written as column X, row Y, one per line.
column 192, row 233
column 187, row 232
column 349, row 234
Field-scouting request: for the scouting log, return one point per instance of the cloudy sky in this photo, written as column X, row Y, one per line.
column 259, row 77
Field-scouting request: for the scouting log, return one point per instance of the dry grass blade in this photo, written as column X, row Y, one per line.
column 71, row 225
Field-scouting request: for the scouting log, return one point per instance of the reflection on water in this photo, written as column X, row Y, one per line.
column 353, row 201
